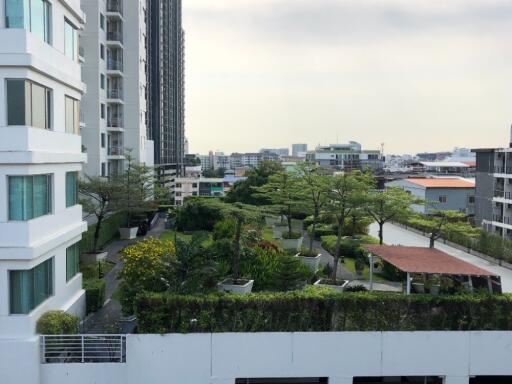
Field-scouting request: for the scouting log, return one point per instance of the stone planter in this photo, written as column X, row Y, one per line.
column 418, row 287
column 278, row 231
column 93, row 257
column 128, row 233
column 434, row 290
column 311, row 262
column 270, row 221
column 338, row 288
column 292, row 243
column 244, row 288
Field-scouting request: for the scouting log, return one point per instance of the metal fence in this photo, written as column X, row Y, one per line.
column 60, row 349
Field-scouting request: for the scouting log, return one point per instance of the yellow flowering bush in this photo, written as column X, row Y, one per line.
column 144, row 265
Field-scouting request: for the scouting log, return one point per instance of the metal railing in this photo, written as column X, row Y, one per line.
column 60, row 349
column 114, row 65
column 115, row 36
column 114, row 93
column 115, row 6
column 115, row 151
column 115, row 121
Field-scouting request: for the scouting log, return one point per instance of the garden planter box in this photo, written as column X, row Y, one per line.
column 278, row 231
column 418, row 287
column 434, row 289
column 292, row 243
column 93, row 257
column 271, row 221
column 312, row 262
column 128, row 233
column 244, row 288
column 338, row 288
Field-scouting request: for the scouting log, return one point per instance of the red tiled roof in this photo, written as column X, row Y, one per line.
column 442, row 182
column 425, row 260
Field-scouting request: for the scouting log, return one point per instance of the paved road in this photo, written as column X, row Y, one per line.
column 394, row 234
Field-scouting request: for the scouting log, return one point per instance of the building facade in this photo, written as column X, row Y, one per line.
column 445, row 194
column 166, row 104
column 41, row 156
column 114, row 69
column 205, row 187
column 347, row 157
column 299, row 150
column 493, row 197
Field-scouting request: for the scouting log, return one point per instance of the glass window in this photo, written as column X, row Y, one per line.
column 102, row 21
column 72, row 115
column 102, row 111
column 72, row 259
column 70, row 41
column 71, row 189
column 28, row 103
column 103, row 170
column 102, row 81
column 29, row 288
column 102, row 51
column 102, row 140
column 29, row 196
column 33, row 15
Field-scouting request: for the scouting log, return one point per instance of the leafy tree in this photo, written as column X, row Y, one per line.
column 313, row 186
column 439, row 220
column 345, row 193
column 243, row 191
column 290, row 274
column 390, row 204
column 283, row 190
column 98, row 196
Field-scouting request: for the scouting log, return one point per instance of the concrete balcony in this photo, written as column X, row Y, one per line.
column 115, row 123
column 21, row 239
column 36, row 145
column 115, row 8
column 115, row 95
column 115, row 38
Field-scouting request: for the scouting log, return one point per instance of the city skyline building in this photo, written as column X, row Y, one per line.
column 166, row 104
column 114, row 69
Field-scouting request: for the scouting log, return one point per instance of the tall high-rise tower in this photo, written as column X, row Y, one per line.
column 166, row 85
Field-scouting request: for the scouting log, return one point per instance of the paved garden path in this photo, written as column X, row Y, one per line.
column 109, row 318
column 394, row 234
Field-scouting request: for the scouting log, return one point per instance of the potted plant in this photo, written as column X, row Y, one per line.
column 359, row 266
column 338, row 285
column 310, row 259
column 433, row 284
column 292, row 240
column 278, row 230
column 97, row 198
column 270, row 221
column 418, row 285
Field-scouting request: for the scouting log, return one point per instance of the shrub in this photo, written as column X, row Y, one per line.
column 224, row 229
column 196, row 214
column 321, row 311
column 109, row 230
column 94, row 294
column 57, row 323
column 322, row 230
column 356, row 288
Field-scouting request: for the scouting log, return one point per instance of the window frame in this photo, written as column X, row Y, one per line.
column 76, row 269
column 28, row 105
column 76, row 115
column 74, row 54
column 49, row 202
column 75, row 198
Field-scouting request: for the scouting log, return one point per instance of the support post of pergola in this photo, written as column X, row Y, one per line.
column 489, row 284
column 408, row 283
column 470, row 284
column 371, row 271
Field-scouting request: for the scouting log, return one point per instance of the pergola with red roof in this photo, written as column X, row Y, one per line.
column 427, row 261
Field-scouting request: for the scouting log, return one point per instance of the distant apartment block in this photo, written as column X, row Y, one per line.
column 347, row 157
column 299, row 150
column 443, row 193
column 493, row 197
column 41, row 156
column 278, row 151
column 205, row 187
column 113, row 46
column 166, row 104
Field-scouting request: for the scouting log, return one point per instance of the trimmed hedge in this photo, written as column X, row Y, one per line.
column 320, row 311
column 94, row 294
column 57, row 323
column 349, row 247
column 109, row 230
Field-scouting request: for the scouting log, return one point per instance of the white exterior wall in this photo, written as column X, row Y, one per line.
column 27, row 151
column 340, row 356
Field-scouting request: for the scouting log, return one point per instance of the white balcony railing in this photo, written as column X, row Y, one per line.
column 60, row 349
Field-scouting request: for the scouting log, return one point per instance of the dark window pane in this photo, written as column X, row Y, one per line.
column 38, row 106
column 37, row 26
column 15, row 102
column 16, row 13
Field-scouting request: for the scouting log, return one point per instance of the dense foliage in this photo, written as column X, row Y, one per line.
column 349, row 247
column 94, row 294
column 312, row 310
column 197, row 214
column 57, row 323
column 108, row 231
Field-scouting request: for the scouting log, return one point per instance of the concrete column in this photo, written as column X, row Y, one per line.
column 408, row 283
column 341, row 380
column 456, row 380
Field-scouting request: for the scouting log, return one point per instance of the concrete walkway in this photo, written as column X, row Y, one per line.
column 394, row 235
column 109, row 318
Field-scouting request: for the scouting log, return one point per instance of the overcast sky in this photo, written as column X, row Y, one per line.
column 413, row 74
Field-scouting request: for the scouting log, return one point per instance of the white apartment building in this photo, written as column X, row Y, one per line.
column 206, row 187
column 40, row 157
column 115, row 73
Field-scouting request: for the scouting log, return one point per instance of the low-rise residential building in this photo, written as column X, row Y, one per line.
column 347, row 157
column 443, row 193
column 278, row 151
column 299, row 150
column 206, row 187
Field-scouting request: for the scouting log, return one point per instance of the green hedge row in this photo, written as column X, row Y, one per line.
column 320, row 311
column 94, row 294
column 349, row 247
column 109, row 230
